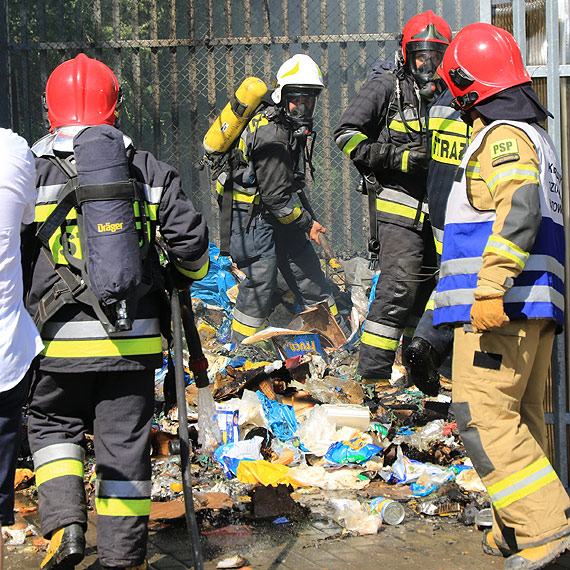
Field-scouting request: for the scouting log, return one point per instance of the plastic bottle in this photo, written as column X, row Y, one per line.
column 391, row 512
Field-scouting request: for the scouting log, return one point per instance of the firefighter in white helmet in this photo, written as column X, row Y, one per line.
column 272, row 224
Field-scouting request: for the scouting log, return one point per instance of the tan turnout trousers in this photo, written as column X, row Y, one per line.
column 499, row 380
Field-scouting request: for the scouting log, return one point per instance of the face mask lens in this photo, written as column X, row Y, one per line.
column 300, row 106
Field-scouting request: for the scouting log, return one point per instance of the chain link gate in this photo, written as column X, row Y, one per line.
column 179, row 61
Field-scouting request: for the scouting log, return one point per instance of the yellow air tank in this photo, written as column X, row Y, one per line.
column 235, row 115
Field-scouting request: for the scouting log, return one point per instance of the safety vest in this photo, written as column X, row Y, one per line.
column 538, row 291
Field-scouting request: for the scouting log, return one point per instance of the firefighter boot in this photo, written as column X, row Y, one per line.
column 421, row 362
column 491, row 547
column 66, row 548
column 537, row 557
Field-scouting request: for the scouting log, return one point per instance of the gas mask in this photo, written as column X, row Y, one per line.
column 299, row 104
column 422, row 64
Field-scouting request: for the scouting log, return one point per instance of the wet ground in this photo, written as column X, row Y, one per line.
column 434, row 543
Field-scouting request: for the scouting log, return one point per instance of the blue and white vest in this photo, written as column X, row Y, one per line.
column 538, row 292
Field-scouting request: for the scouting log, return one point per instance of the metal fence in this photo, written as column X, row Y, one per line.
column 178, row 62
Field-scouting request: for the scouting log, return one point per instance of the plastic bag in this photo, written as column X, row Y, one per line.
column 230, row 454
column 265, row 473
column 406, row 471
column 352, row 451
column 213, row 287
column 280, row 417
column 318, row 431
column 353, row 516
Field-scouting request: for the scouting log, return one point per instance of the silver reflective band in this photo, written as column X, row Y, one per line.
column 56, row 452
column 123, row 489
column 94, row 330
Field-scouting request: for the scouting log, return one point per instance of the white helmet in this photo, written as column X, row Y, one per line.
column 299, row 71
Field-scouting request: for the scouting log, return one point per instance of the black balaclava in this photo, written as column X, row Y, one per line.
column 518, row 103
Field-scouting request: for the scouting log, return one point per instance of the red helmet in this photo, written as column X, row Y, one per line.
column 427, row 33
column 482, row 60
column 82, row 91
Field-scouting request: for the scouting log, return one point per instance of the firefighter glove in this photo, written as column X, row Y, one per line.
column 488, row 312
column 409, row 158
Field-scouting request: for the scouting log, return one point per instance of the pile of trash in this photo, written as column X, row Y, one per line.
column 296, row 422
column 300, row 436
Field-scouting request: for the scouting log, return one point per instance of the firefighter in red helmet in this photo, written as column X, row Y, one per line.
column 96, row 373
column 383, row 131
column 82, row 91
column 501, row 287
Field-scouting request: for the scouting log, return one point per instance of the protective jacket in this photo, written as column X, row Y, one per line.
column 378, row 131
column 269, row 223
column 268, row 170
column 74, row 339
column 388, row 110
column 506, row 232
column 448, row 137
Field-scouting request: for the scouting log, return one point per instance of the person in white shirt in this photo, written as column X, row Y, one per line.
column 19, row 339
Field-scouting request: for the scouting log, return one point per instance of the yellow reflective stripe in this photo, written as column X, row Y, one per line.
column 438, row 246
column 509, row 173
column 353, row 143
column 245, row 329
column 43, row 211
column 430, row 304
column 401, row 127
column 95, row 348
column 196, row 275
column 334, row 310
column 507, row 249
column 449, row 125
column 151, row 211
column 405, row 156
column 241, row 146
column 122, row 507
column 292, row 216
column 397, row 209
column 59, row 468
column 379, row 341
column 472, row 169
column 522, row 484
column 239, row 196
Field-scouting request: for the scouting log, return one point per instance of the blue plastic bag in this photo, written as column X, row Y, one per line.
column 281, row 418
column 351, row 451
column 212, row 289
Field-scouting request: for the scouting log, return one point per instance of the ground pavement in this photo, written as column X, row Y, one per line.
column 427, row 544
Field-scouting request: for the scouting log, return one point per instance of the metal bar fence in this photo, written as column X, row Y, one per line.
column 179, row 61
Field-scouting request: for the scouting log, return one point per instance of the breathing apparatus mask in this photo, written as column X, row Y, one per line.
column 423, row 59
column 299, row 105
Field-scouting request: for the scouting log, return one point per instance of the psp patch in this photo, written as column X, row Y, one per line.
column 504, row 147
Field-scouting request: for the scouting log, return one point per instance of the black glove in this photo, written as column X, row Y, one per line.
column 409, row 158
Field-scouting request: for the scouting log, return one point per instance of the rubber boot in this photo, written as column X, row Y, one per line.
column 422, row 362
column 66, row 548
column 537, row 557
